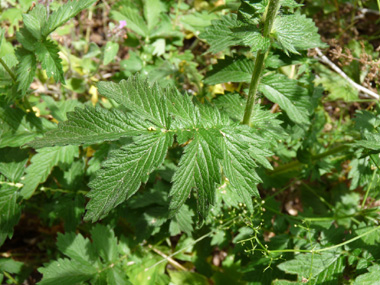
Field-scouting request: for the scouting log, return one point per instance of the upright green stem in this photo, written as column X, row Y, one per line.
column 10, row 72
column 268, row 20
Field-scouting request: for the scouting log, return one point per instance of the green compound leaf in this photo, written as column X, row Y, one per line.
column 26, row 69
column 153, row 117
column 89, row 126
column 122, row 175
column 10, row 211
column 47, row 54
column 295, row 33
column 288, row 95
column 43, row 163
column 36, row 20
column 65, row 13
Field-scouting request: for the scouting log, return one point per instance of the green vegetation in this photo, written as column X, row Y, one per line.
column 189, row 142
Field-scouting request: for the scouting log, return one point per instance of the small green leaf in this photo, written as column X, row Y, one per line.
column 26, row 69
column 219, row 35
column 372, row 277
column 291, row 97
column 110, row 51
column 36, row 20
column 10, row 211
column 66, row 272
column 295, row 33
column 27, row 40
column 231, row 69
column 42, row 164
column 47, row 54
column 65, row 13
column 309, row 265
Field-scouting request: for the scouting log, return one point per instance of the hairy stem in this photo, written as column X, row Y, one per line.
column 268, row 19
column 10, row 72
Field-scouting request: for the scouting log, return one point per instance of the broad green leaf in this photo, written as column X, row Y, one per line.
column 186, row 277
column 43, row 163
column 10, row 265
column 231, row 69
column 291, row 97
column 27, row 40
column 219, row 35
column 338, row 88
column 66, row 272
column 26, row 69
column 370, row 278
column 65, row 13
column 89, row 126
column 140, row 98
column 198, row 169
column 47, row 54
column 250, row 11
column 295, row 33
column 110, row 51
column 105, row 243
column 84, row 263
column 12, row 162
column 125, row 170
column 35, row 20
column 371, row 141
column 76, row 247
column 130, row 13
column 238, row 165
column 60, row 109
column 19, row 127
column 152, row 11
column 307, row 265
column 332, row 274
column 182, row 221
column 10, row 211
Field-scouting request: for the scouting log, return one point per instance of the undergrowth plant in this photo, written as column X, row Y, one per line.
column 150, row 157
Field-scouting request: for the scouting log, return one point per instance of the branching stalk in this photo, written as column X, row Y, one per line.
column 268, row 20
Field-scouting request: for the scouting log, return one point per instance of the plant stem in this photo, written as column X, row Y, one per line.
column 10, row 72
column 268, row 19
